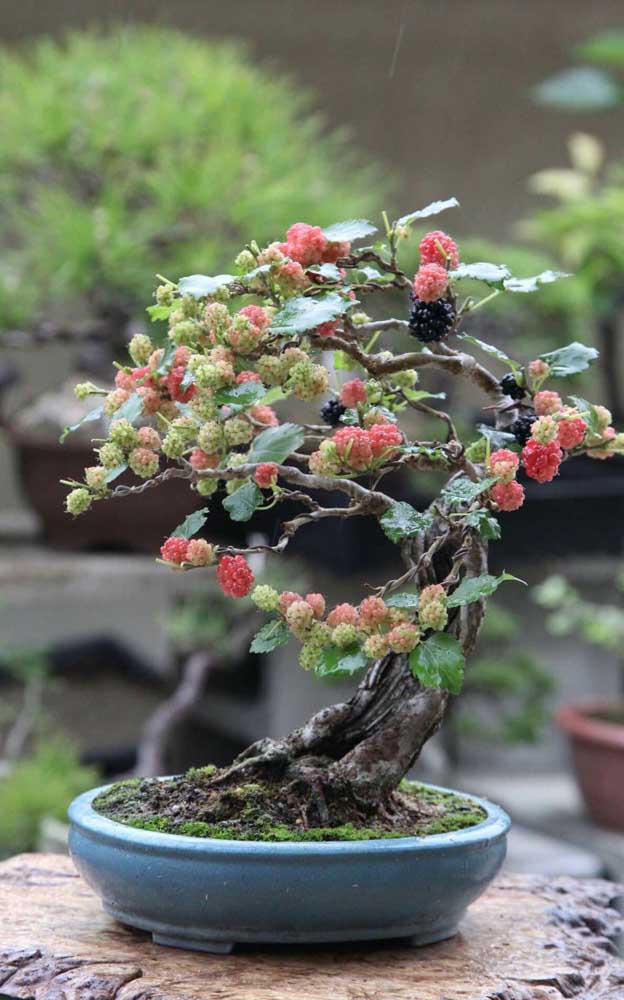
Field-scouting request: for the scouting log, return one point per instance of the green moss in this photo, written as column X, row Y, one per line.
column 206, row 771
column 117, row 796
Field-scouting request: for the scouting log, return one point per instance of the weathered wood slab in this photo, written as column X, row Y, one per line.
column 528, row 938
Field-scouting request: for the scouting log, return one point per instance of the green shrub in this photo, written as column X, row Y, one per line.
column 40, row 785
column 146, row 150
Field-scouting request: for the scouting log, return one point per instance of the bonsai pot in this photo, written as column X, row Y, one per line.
column 596, row 733
column 209, row 894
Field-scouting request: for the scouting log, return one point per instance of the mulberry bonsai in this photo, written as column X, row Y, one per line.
column 290, row 323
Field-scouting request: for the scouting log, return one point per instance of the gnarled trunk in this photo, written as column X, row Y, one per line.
column 347, row 759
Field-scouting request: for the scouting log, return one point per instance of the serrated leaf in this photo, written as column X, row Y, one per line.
column 588, row 412
column 463, row 490
column 498, row 439
column 569, row 360
column 438, row 662
column 114, row 474
column 404, row 521
column 485, row 523
column 276, row 443
column 581, row 88
column 434, row 208
column 131, row 410
column 491, row 274
column 200, row 285
column 404, row 599
column 188, row 379
column 191, row 524
column 242, row 504
column 495, row 352
column 157, row 312
column 88, row 418
column 474, row 588
column 240, row 397
column 336, row 662
column 531, row 284
column 352, row 229
column 329, row 271
column 275, row 633
column 306, row 313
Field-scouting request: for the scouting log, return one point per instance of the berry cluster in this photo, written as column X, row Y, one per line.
column 432, row 317
column 356, row 449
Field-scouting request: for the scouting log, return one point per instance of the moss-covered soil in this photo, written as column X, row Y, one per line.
column 193, row 805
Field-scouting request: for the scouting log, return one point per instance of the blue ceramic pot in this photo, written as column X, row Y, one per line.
column 210, row 894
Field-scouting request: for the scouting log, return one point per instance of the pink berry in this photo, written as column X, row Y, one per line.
column 200, row 552
column 373, row 612
column 353, row 392
column 246, row 376
column 508, row 496
column 264, row 415
column 430, row 252
column 541, row 461
column 306, row 244
column 343, row 614
column 256, row 315
column 173, row 381
column 234, row 576
column 504, row 464
column 201, row 459
column 286, row 598
column 546, row 403
column 353, row 447
column 384, row 439
column 327, row 329
column 570, row 432
column 174, row 550
column 266, row 475
column 430, row 282
column 539, row 368
column 317, row 603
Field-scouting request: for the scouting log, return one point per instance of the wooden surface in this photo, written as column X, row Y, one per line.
column 528, row 938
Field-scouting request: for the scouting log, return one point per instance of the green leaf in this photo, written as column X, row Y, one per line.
column 131, row 410
column 254, row 273
column 403, row 521
column 588, row 411
column 350, row 417
column 438, row 662
column 569, row 360
column 415, row 395
column 485, row 523
column 607, row 47
column 191, row 524
column 200, row 285
column 404, row 599
column 495, row 352
column 423, row 213
column 491, row 274
column 88, row 418
column 329, row 271
column 343, row 362
column 275, row 633
column 463, row 490
column 113, row 474
column 273, row 395
column 353, row 229
column 157, row 312
column 498, row 439
column 240, row 397
column 533, row 283
column 336, row 662
column 473, row 588
column 276, row 443
column 166, row 358
column 243, row 503
column 306, row 313
column 582, row 88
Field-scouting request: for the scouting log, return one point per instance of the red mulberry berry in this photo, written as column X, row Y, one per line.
column 430, row 282
column 334, row 251
column 343, row 614
column 286, row 598
column 327, row 329
column 373, row 612
column 353, row 447
column 571, row 432
column 384, row 440
column 266, row 475
column 256, row 315
column 234, row 576
column 430, row 252
column 264, row 415
column 174, row 381
column 243, row 377
column 541, row 461
column 317, row 603
column 201, row 459
column 508, row 496
column 504, row 464
column 306, row 244
column 174, row 550
column 546, row 403
column 353, row 392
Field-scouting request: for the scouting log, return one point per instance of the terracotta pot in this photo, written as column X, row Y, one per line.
column 598, row 754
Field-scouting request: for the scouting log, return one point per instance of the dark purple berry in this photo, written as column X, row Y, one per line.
column 510, row 387
column 521, row 428
column 332, row 411
column 431, row 321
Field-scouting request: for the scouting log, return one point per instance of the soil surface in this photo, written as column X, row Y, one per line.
column 194, row 805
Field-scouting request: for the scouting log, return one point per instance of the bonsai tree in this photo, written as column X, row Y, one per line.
column 290, row 323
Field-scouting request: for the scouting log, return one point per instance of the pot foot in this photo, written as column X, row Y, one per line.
column 193, row 944
column 431, row 936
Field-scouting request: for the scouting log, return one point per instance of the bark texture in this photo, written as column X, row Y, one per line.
column 527, row 938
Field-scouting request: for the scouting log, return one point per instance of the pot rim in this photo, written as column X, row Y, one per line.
column 577, row 720
column 91, row 823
